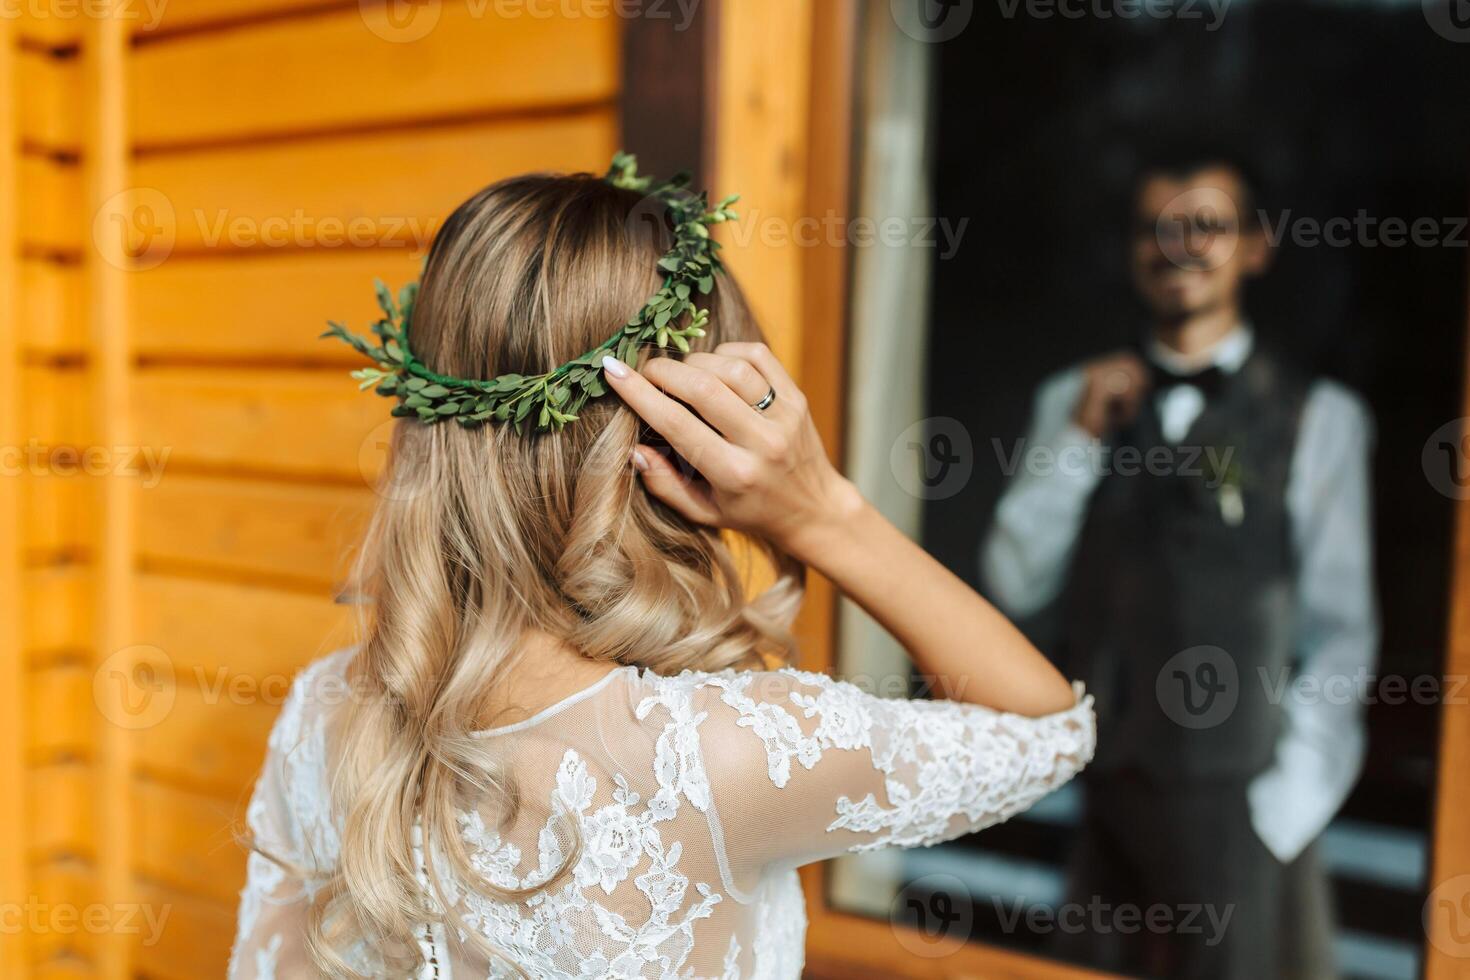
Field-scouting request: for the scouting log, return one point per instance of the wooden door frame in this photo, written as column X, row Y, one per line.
column 807, row 152
column 15, row 951
column 1446, row 956
column 104, row 58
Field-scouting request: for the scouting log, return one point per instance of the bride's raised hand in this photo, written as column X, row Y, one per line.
column 764, row 471
column 761, row 470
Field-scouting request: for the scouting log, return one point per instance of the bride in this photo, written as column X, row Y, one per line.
column 565, row 746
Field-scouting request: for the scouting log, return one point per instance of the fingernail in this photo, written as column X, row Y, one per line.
column 614, row 367
column 639, row 463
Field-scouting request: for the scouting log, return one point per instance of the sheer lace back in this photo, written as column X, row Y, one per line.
column 696, row 798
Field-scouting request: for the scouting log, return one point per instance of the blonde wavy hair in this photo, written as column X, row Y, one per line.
column 482, row 534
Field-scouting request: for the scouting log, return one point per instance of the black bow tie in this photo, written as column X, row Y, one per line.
column 1209, row 381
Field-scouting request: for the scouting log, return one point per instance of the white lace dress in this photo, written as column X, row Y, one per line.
column 697, row 797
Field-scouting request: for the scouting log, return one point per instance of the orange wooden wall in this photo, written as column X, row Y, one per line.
column 186, row 203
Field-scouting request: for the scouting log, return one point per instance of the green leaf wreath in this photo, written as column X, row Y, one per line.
column 551, row 400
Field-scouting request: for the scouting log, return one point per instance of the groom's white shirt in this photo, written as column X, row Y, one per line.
column 1025, row 558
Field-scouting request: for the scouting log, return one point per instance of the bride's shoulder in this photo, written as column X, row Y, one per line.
column 754, row 724
column 776, row 679
column 728, row 696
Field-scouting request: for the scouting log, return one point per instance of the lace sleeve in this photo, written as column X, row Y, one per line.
column 291, row 837
column 804, row 768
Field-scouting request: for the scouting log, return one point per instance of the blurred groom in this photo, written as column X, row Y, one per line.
column 1203, row 536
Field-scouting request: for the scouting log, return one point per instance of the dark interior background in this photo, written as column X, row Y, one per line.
column 1341, row 106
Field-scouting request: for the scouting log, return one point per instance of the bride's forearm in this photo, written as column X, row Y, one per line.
column 766, row 472
column 971, row 651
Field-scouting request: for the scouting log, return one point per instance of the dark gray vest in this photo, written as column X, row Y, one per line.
column 1182, row 587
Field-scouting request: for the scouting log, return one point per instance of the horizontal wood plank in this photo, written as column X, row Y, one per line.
column 222, row 306
column 313, row 422
column 384, row 190
column 50, row 24
column 372, row 65
column 63, row 885
column 64, row 968
column 51, row 213
column 50, row 105
column 51, row 308
column 197, row 15
column 218, row 631
column 55, row 458
column 58, row 609
column 54, row 406
column 67, row 880
column 62, row 811
column 194, row 940
column 188, row 840
column 62, row 714
column 61, row 24
column 252, row 527
column 210, row 741
column 60, row 515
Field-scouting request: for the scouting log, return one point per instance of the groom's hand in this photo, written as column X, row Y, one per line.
column 1112, row 390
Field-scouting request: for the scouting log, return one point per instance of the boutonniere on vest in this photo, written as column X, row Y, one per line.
column 1228, row 481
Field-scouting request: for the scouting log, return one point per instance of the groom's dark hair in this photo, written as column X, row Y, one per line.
column 1179, row 157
